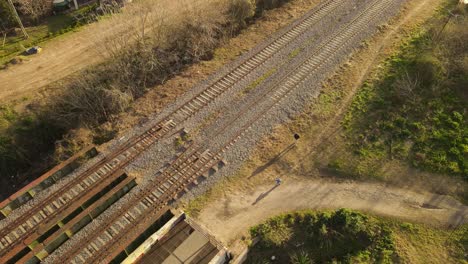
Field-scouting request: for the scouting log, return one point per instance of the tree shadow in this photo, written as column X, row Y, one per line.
column 272, row 161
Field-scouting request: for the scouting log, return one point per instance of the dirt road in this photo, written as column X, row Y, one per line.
column 231, row 216
column 60, row 58
column 75, row 51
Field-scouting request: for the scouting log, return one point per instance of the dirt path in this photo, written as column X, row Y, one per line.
column 60, row 58
column 231, row 216
column 75, row 51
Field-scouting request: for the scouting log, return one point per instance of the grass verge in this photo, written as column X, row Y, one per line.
column 346, row 236
column 414, row 110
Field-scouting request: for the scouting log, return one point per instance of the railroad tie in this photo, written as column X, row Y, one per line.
column 15, row 233
column 205, row 96
column 263, row 55
column 81, row 258
column 101, row 240
column 144, row 205
column 149, row 200
column 49, row 210
column 212, row 93
column 123, row 220
column 108, row 233
column 3, row 241
column 94, row 246
column 114, row 229
column 80, row 187
column 230, row 78
column 91, row 248
column 184, row 112
column 62, row 200
column 137, row 210
column 158, row 192
column 236, row 75
column 129, row 216
column 44, row 216
column 270, row 49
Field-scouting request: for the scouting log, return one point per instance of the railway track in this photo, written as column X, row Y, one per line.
column 145, row 206
column 46, row 213
column 317, row 57
column 140, row 212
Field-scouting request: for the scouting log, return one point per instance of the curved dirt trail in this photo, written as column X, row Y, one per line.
column 231, row 216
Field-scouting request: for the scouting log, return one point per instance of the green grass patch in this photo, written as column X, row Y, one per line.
column 346, row 236
column 258, row 81
column 51, row 27
column 294, row 53
column 415, row 110
column 342, row 236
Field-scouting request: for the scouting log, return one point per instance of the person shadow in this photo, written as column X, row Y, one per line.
column 265, row 194
column 272, row 161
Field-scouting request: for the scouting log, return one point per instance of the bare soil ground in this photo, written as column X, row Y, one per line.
column 60, row 57
column 230, row 217
column 229, row 208
column 79, row 50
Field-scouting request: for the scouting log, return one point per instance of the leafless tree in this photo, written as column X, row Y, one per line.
column 406, row 85
column 34, row 9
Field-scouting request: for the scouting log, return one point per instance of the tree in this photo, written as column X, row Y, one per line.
column 34, row 9
column 240, row 11
column 7, row 18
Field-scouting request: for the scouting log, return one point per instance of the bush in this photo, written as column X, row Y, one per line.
column 341, row 235
column 100, row 93
column 23, row 141
column 240, row 12
column 7, row 19
column 262, row 5
column 32, row 11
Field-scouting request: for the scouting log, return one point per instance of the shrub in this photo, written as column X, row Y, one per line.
column 23, row 140
column 301, row 257
column 33, row 10
column 341, row 235
column 7, row 19
column 263, row 5
column 240, row 12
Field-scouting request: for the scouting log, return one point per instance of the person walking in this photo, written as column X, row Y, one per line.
column 278, row 181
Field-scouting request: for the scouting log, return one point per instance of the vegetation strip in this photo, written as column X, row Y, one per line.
column 415, row 109
column 346, row 236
